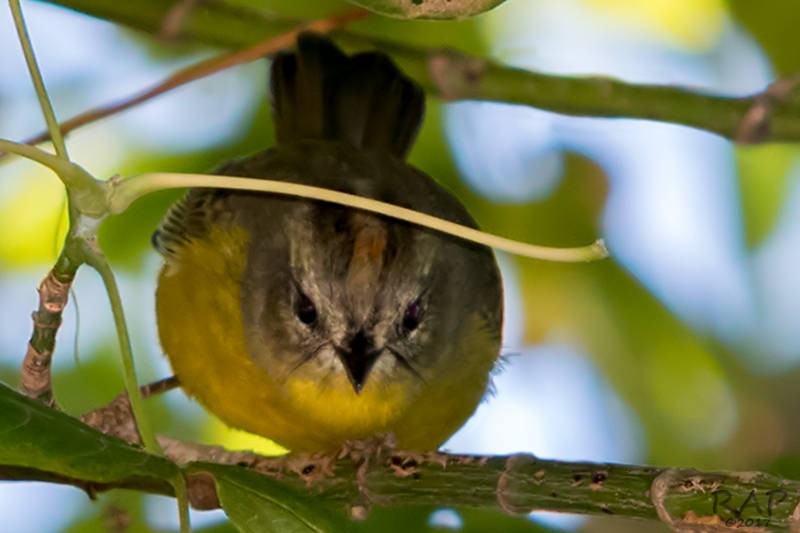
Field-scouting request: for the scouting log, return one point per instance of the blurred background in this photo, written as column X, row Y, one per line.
column 682, row 350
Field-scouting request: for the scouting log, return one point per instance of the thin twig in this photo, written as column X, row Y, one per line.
column 125, row 191
column 95, row 259
column 159, row 387
column 38, row 84
column 206, row 68
column 116, row 418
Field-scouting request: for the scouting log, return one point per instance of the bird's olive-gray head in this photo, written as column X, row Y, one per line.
column 340, row 293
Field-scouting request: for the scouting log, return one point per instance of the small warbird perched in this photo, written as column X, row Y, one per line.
column 312, row 324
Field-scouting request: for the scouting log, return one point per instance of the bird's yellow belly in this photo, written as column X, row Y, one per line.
column 200, row 326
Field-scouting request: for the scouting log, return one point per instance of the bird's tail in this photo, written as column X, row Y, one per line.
column 320, row 93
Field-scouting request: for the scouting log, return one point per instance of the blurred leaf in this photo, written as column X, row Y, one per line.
column 481, row 520
column 694, row 24
column 93, row 382
column 32, row 219
column 116, row 511
column 219, row 18
column 787, row 466
column 668, row 374
column 126, row 237
column 97, row 380
column 466, row 35
column 773, row 23
column 401, row 520
column 763, row 178
column 224, row 527
column 389, row 520
column 657, row 364
column 642, row 348
column 293, row 8
column 255, row 503
column 35, row 436
column 432, row 9
column 569, row 218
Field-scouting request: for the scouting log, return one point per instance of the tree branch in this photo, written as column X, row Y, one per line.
column 772, row 115
column 519, row 484
column 39, row 443
column 35, row 377
column 457, row 76
column 685, row 499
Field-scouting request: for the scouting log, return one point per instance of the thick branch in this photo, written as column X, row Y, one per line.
column 521, row 483
column 35, row 378
column 685, row 499
column 368, row 474
column 456, row 76
column 772, row 115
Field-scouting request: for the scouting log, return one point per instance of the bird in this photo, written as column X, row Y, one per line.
column 314, row 324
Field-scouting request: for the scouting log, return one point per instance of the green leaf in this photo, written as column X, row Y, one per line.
column 33, row 435
column 774, row 25
column 474, row 520
column 126, row 238
column 216, row 21
column 429, row 9
column 111, row 512
column 764, row 173
column 256, row 503
column 787, row 466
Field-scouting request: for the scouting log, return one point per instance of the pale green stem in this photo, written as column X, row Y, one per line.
column 38, row 83
column 182, row 498
column 87, row 197
column 56, row 164
column 95, row 258
column 87, row 194
column 124, row 192
column 73, row 297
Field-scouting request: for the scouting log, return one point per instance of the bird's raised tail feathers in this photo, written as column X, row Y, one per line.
column 320, row 93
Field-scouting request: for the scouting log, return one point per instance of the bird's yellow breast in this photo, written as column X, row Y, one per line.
column 201, row 329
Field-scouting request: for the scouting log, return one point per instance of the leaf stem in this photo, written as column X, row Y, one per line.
column 56, row 164
column 94, row 257
column 86, row 194
column 125, row 191
column 38, row 82
column 182, row 499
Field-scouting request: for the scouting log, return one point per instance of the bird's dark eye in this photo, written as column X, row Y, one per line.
column 411, row 316
column 305, row 310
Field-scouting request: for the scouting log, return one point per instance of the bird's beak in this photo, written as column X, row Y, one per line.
column 358, row 359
